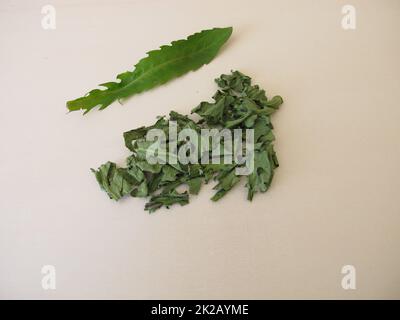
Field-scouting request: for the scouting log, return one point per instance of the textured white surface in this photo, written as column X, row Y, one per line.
column 334, row 200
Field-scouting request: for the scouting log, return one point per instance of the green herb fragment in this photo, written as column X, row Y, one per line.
column 159, row 67
column 237, row 105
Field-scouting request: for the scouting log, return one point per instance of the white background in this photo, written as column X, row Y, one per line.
column 334, row 200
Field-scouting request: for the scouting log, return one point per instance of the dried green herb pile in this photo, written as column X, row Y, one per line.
column 237, row 105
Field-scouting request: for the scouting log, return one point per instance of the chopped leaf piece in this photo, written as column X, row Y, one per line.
column 194, row 185
column 167, row 200
column 117, row 182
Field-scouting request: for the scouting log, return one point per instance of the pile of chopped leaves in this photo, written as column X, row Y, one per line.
column 237, row 105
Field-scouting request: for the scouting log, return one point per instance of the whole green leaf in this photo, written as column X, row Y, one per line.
column 158, row 67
